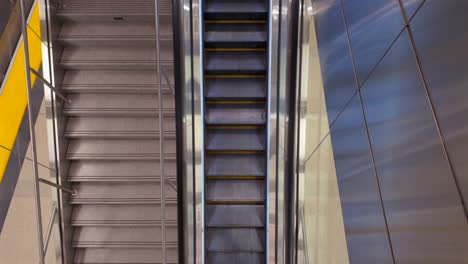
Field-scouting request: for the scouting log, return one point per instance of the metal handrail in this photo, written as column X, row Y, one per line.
column 51, row 87
column 32, row 135
column 161, row 136
column 58, row 186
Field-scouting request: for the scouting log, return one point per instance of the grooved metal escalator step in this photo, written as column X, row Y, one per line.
column 121, row 193
column 114, row 58
column 247, row 62
column 120, row 171
column 118, row 149
column 124, row 255
column 235, row 191
column 235, row 239
column 235, row 88
column 225, row 139
column 228, row 9
column 235, row 114
column 235, row 38
column 122, row 215
column 234, row 215
column 118, row 104
column 122, row 237
column 112, row 33
column 114, row 81
column 118, row 127
column 235, row 257
column 235, row 165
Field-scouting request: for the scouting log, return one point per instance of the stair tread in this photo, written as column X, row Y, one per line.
column 101, row 81
column 89, row 170
column 118, row 103
column 234, row 191
column 123, row 256
column 118, row 148
column 107, row 236
column 134, row 32
column 220, row 139
column 127, row 127
column 235, row 239
column 114, row 57
column 121, row 191
column 114, row 215
column 86, row 9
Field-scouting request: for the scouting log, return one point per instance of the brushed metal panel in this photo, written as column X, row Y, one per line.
column 373, row 25
column 411, row 6
column 440, row 35
column 424, row 214
column 366, row 231
column 336, row 64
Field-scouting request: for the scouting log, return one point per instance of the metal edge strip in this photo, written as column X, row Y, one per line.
column 178, row 88
column 198, row 125
column 272, row 170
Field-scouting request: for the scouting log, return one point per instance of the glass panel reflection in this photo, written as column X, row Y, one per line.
column 321, row 235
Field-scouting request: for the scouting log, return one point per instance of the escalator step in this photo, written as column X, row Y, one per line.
column 235, row 258
column 235, row 88
column 235, row 215
column 226, row 114
column 235, row 191
column 236, row 62
column 228, row 9
column 235, row 239
column 235, row 165
column 220, row 139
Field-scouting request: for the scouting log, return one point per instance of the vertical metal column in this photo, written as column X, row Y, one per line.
column 161, row 137
column 33, row 136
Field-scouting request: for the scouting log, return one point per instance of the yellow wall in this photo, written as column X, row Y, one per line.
column 13, row 99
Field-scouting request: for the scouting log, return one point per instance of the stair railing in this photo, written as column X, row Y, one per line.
column 161, row 134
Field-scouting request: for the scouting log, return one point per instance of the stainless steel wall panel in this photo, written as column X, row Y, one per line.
column 373, row 25
column 411, row 6
column 363, row 214
column 440, row 35
column 426, row 221
column 337, row 72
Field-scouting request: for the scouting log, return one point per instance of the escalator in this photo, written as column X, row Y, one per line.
column 235, row 39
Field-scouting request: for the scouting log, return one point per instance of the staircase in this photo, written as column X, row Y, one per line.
column 235, row 73
column 110, row 60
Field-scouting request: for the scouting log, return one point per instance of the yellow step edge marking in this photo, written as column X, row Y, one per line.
column 236, row 127
column 235, row 177
column 233, row 21
column 243, row 102
column 235, row 152
column 235, row 49
column 237, row 202
column 235, row 76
